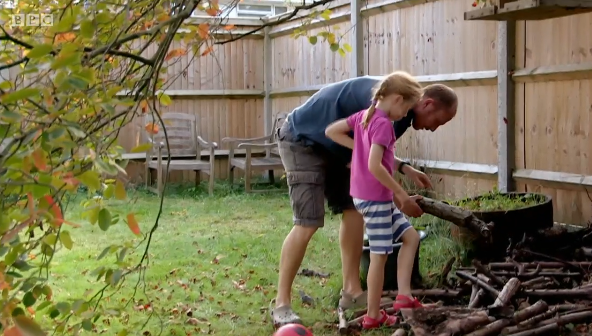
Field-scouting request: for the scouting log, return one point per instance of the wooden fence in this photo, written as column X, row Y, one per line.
column 524, row 129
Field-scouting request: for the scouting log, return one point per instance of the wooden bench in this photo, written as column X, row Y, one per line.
column 270, row 162
column 185, row 147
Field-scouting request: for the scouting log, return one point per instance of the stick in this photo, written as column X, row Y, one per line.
column 544, row 264
column 476, row 302
column 560, row 293
column 530, row 322
column 495, row 327
column 538, row 331
column 426, row 292
column 458, row 216
column 483, row 269
column 535, row 281
column 492, row 291
column 507, row 293
column 342, row 321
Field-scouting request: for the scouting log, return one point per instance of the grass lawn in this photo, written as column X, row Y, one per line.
column 213, row 264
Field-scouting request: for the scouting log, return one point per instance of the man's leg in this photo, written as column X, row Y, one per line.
column 351, row 234
column 305, row 173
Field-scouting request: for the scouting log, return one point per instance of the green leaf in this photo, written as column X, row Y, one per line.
column 76, row 131
column 18, row 311
column 91, row 180
column 77, row 82
column 66, row 239
column 27, row 326
column 104, row 253
column 6, row 85
column 165, row 99
column 116, row 277
column 142, row 148
column 87, row 29
column 347, row 47
column 29, row 299
column 21, row 94
column 108, row 192
column 312, row 39
column 63, row 307
column 22, row 265
column 326, row 15
column 104, row 219
column 10, row 116
column 43, row 305
column 341, row 52
column 124, row 332
column 39, row 51
column 65, row 61
column 334, row 47
column 87, row 325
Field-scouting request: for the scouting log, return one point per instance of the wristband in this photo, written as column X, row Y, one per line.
column 400, row 169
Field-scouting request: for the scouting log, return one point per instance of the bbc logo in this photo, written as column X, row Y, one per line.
column 31, row 20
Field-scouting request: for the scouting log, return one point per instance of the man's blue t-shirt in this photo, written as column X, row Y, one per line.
column 333, row 102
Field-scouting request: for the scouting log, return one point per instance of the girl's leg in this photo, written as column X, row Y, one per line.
column 375, row 283
column 404, row 232
column 406, row 259
column 377, row 217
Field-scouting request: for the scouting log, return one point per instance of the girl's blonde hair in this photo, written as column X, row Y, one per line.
column 398, row 82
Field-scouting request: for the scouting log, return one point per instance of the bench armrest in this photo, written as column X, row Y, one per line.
column 257, row 146
column 206, row 144
column 232, row 141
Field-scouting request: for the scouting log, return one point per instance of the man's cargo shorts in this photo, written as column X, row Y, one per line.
column 313, row 174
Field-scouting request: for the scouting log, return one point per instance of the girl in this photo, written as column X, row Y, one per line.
column 373, row 189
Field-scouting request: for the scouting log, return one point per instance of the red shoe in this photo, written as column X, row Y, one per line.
column 384, row 320
column 403, row 301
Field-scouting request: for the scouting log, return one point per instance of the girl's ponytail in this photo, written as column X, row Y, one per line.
column 368, row 114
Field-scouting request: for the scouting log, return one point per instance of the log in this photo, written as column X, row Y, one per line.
column 476, row 301
column 504, row 297
column 535, row 281
column 458, row 216
column 496, row 327
column 343, row 325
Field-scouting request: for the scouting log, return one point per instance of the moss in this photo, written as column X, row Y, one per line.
column 496, row 201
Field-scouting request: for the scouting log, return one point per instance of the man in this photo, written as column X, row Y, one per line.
column 318, row 168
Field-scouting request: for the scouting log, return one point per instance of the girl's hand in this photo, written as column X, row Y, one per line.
column 419, row 178
column 410, row 207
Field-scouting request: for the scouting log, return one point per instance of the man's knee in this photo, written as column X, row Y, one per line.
column 303, row 234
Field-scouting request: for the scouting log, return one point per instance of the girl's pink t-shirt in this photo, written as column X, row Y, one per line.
column 380, row 131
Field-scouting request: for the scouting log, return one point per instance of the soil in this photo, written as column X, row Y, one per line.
column 495, row 201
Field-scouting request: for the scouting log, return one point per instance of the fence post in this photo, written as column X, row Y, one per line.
column 506, row 121
column 357, row 41
column 267, row 79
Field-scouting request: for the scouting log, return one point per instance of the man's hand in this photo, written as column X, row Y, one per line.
column 419, row 178
column 410, row 207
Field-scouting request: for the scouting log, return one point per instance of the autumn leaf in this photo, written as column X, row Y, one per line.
column 54, row 209
column 207, row 51
column 212, row 11
column 65, row 37
column 229, row 27
column 144, row 105
column 39, row 159
column 132, row 223
column 151, row 128
column 203, row 30
column 175, row 53
column 12, row 331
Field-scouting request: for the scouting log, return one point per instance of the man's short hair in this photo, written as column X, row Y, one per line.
column 442, row 94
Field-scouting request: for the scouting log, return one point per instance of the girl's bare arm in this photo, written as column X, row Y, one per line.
column 338, row 132
column 382, row 175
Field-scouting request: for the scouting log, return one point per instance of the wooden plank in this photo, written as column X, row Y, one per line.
column 454, row 80
column 549, row 73
column 390, row 5
column 531, row 10
column 458, row 168
column 212, row 20
column 506, row 121
column 267, row 82
column 317, row 23
column 204, row 153
column 357, row 42
column 207, row 94
column 559, row 180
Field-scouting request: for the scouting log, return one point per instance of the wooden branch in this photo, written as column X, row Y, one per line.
column 504, row 297
column 426, row 292
column 496, row 327
column 529, row 323
column 342, row 321
column 485, row 270
column 492, row 291
column 461, row 217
